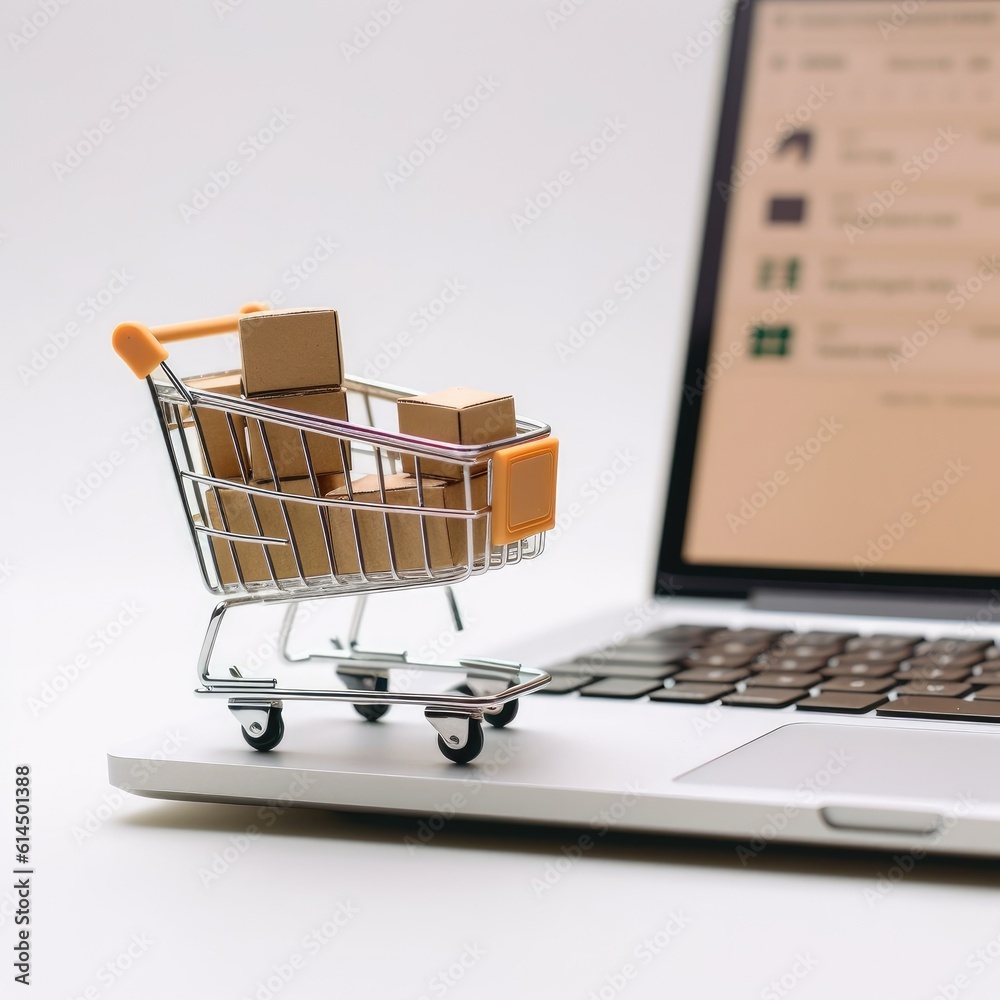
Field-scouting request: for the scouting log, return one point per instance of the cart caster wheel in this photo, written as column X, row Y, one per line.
column 472, row 749
column 272, row 734
column 372, row 713
column 506, row 715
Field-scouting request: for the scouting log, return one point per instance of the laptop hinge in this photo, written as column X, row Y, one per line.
column 982, row 610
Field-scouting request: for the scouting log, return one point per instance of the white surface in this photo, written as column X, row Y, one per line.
column 68, row 573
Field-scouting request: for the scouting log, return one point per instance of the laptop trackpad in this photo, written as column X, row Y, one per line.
column 814, row 759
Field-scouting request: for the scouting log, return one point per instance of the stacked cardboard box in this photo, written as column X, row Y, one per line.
column 458, row 416
column 293, row 360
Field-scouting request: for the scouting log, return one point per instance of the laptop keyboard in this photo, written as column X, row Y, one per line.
column 888, row 675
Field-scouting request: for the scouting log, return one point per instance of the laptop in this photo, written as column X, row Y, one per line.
column 818, row 661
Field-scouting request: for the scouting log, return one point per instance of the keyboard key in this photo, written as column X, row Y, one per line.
column 713, row 675
column 841, row 701
column 820, row 651
column 699, row 694
column 819, row 638
column 859, row 670
column 623, row 655
column 953, row 647
column 933, row 674
column 789, row 664
column 941, row 708
column 563, row 685
column 860, row 685
column 989, row 693
column 619, row 687
column 986, row 677
column 747, row 636
column 884, row 642
column 683, row 634
column 941, row 689
column 893, row 656
column 655, row 645
column 710, row 656
column 784, row 680
column 766, row 698
column 942, row 661
column 593, row 671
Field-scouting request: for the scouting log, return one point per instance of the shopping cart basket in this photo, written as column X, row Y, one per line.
column 266, row 541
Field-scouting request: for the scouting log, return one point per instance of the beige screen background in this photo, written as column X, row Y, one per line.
column 851, row 410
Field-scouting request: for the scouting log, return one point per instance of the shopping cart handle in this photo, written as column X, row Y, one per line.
column 141, row 347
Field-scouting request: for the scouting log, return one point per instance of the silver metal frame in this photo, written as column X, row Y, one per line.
column 365, row 673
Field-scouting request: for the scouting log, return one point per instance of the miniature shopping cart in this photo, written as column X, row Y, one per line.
column 260, row 542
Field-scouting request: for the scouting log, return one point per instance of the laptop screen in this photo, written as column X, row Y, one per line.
column 841, row 410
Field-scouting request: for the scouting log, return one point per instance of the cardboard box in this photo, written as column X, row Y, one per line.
column 405, row 528
column 221, row 457
column 285, row 444
column 290, row 350
column 457, row 416
column 454, row 499
column 307, row 523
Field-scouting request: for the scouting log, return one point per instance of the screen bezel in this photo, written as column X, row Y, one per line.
column 739, row 580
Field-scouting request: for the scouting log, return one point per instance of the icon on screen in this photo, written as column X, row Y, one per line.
column 775, row 272
column 786, row 210
column 799, row 142
column 771, row 341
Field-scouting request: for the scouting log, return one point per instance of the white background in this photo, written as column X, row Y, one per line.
column 110, row 868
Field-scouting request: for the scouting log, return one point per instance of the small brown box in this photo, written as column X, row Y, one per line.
column 307, row 522
column 456, row 416
column 286, row 445
column 290, row 350
column 221, row 459
column 405, row 528
column 454, row 499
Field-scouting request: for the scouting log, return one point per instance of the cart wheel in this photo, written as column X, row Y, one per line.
column 472, row 749
column 272, row 734
column 374, row 712
column 506, row 714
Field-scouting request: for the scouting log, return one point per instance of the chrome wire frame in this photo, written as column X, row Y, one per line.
column 182, row 408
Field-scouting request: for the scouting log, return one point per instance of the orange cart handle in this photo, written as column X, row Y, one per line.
column 141, row 347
